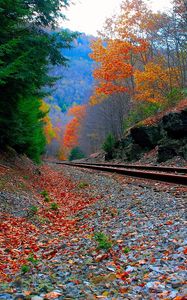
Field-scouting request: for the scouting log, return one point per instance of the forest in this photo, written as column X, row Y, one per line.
column 135, row 69
column 28, row 49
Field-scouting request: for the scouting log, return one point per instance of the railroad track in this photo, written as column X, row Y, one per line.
column 160, row 173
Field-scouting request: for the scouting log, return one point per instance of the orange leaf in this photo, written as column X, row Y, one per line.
column 52, row 295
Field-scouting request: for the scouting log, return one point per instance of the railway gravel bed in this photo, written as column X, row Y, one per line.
column 145, row 247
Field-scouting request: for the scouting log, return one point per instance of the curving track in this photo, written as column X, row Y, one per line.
column 160, row 173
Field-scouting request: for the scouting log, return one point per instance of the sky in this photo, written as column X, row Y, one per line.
column 89, row 15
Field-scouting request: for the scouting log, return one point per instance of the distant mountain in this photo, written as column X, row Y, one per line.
column 77, row 82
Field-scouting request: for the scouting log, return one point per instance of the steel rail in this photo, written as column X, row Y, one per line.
column 140, row 167
column 135, row 171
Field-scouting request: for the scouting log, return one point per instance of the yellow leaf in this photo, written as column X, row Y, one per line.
column 71, row 262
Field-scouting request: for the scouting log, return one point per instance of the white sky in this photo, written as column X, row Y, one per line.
column 89, row 15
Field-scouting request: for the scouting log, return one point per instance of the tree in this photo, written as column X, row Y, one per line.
column 27, row 136
column 49, row 129
column 27, row 48
column 108, row 145
column 155, row 82
column 72, row 130
column 76, row 153
column 102, row 119
column 143, row 53
column 114, row 71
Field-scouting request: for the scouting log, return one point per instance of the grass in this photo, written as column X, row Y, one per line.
column 41, row 219
column 21, row 185
column 82, row 185
column 32, row 259
column 47, row 199
column 46, row 196
column 126, row 250
column 103, row 241
column 25, row 269
column 33, row 209
column 44, row 193
column 54, row 206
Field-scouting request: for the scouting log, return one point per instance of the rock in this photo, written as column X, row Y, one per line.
column 44, row 289
column 171, row 148
column 146, row 136
column 112, row 269
column 36, row 298
column 133, row 152
column 130, row 269
column 19, row 297
column 173, row 294
column 175, row 124
column 6, row 296
column 176, row 284
column 168, row 136
column 156, row 269
column 156, row 286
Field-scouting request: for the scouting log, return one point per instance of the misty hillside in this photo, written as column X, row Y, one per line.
column 76, row 83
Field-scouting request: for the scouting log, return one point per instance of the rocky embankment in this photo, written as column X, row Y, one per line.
column 166, row 134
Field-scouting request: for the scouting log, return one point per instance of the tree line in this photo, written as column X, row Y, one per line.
column 29, row 46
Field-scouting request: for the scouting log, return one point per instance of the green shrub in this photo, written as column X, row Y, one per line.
column 76, row 153
column 141, row 112
column 25, row 269
column 54, row 206
column 82, row 185
column 109, row 143
column 33, row 209
column 174, row 97
column 32, row 259
column 46, row 196
column 103, row 241
column 44, row 193
column 47, row 199
column 126, row 250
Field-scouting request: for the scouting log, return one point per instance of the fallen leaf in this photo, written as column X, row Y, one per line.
column 52, row 295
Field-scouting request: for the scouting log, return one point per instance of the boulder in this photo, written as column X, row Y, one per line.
column 146, row 136
column 169, row 135
column 175, row 124
column 171, row 148
column 133, row 152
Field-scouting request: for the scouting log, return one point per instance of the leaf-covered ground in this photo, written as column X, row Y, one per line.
column 75, row 234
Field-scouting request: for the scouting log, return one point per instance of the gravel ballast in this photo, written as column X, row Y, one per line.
column 143, row 251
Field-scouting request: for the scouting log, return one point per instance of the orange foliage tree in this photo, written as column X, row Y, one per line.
column 71, row 134
column 135, row 54
column 155, row 81
column 115, row 69
column 72, row 130
column 49, row 130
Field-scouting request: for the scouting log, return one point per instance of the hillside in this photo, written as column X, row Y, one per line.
column 160, row 138
column 76, row 83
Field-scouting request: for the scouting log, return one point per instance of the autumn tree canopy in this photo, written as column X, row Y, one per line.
column 141, row 53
